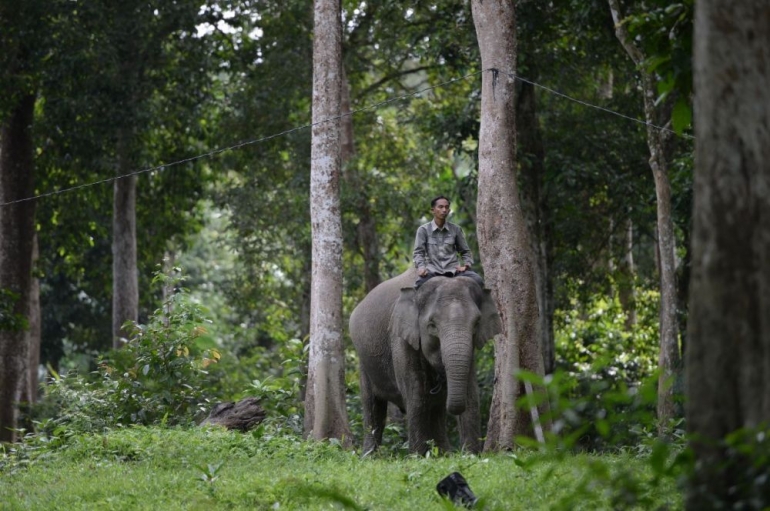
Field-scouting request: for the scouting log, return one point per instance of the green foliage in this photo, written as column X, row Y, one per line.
column 607, row 418
column 604, row 391
column 166, row 373
column 9, row 320
column 741, row 460
column 593, row 341
column 209, row 468
column 162, row 372
column 665, row 31
column 286, row 370
column 121, row 83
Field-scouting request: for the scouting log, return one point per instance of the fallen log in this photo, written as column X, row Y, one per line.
column 243, row 415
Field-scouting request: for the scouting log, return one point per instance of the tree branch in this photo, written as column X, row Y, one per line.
column 394, row 76
column 622, row 34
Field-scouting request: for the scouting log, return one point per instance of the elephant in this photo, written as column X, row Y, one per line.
column 416, row 350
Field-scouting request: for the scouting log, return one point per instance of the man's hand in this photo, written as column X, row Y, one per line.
column 422, row 272
column 461, row 269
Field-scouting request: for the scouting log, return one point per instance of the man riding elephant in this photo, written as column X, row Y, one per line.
column 416, row 347
column 437, row 244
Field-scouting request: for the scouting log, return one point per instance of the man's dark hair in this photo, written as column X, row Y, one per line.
column 434, row 201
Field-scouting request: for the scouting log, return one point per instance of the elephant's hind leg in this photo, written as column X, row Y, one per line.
column 374, row 411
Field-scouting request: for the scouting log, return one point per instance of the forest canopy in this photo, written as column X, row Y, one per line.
column 163, row 203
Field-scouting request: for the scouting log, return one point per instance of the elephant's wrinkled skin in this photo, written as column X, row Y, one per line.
column 416, row 349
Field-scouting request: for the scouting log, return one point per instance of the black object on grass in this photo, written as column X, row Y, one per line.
column 455, row 488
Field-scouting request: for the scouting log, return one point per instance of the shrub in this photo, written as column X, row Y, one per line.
column 604, row 390
column 166, row 373
column 162, row 373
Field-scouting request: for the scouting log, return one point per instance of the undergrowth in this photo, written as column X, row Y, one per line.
column 274, row 468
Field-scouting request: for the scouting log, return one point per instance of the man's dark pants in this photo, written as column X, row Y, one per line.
column 467, row 273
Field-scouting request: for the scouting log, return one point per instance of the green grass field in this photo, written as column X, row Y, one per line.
column 169, row 469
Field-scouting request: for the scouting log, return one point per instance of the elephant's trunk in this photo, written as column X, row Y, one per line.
column 457, row 355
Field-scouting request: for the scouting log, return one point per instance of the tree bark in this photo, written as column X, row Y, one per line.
column 503, row 235
column 627, row 271
column 669, row 359
column 17, row 228
column 532, row 167
column 366, row 230
column 125, row 277
column 325, row 410
column 728, row 354
column 35, row 329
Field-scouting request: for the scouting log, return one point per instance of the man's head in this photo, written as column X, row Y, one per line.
column 434, row 201
column 440, row 209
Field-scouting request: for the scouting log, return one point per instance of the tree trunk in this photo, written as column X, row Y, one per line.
column 532, row 167
column 626, row 290
column 17, row 228
column 125, row 278
column 366, row 230
column 35, row 329
column 728, row 355
column 502, row 230
column 669, row 360
column 325, row 411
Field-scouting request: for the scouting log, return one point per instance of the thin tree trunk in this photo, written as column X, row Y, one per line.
column 325, row 411
column 503, row 234
column 17, row 228
column 347, row 138
column 728, row 356
column 366, row 230
column 532, row 178
column 35, row 328
column 167, row 291
column 125, row 278
column 669, row 360
column 626, row 291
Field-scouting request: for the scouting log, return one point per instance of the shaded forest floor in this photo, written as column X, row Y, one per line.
column 154, row 468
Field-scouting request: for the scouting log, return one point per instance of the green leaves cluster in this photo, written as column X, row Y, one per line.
column 9, row 320
column 594, row 342
column 665, row 30
column 166, row 373
column 162, row 373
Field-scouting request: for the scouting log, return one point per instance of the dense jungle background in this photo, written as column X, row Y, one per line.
column 191, row 120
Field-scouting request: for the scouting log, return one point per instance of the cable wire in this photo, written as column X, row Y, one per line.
column 330, row 119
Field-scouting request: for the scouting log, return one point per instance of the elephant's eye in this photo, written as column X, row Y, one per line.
column 432, row 327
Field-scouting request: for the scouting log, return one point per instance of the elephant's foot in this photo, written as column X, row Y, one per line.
column 370, row 445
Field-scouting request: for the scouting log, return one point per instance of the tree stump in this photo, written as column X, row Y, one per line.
column 243, row 415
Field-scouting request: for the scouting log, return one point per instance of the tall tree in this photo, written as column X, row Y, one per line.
column 23, row 37
column 504, row 243
column 17, row 228
column 669, row 360
column 325, row 410
column 531, row 160
column 728, row 354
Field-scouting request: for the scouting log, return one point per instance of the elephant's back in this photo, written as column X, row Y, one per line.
column 371, row 316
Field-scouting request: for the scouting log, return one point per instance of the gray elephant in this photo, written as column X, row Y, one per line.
column 416, row 350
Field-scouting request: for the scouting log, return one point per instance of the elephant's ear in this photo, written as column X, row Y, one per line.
column 404, row 323
column 490, row 324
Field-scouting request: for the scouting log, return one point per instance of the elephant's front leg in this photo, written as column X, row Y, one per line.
column 374, row 413
column 427, row 427
column 469, row 422
column 426, row 414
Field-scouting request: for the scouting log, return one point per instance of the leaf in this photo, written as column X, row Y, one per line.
column 681, row 116
column 659, row 457
column 603, row 427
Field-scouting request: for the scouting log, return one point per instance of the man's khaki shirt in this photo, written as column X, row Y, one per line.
column 436, row 248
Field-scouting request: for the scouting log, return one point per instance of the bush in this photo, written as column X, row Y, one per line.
column 604, row 390
column 166, row 373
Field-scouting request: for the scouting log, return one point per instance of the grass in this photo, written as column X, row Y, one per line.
column 170, row 469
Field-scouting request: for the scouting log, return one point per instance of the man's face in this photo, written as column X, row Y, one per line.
column 441, row 209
